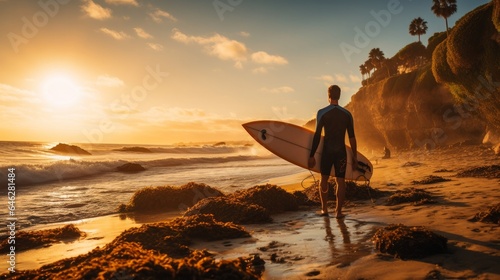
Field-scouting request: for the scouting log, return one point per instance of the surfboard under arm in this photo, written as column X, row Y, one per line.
column 293, row 144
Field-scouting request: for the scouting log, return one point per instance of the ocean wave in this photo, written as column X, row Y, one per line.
column 193, row 161
column 205, row 149
column 31, row 174
column 25, row 151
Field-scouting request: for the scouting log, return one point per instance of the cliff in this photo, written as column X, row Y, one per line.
column 411, row 111
column 455, row 99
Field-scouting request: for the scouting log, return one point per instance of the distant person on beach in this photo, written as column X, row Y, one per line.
column 387, row 153
column 335, row 120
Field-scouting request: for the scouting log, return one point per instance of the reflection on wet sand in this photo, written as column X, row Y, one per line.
column 345, row 254
column 345, row 233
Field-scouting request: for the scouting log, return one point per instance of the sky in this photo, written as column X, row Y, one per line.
column 170, row 71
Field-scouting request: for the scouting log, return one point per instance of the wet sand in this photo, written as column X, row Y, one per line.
column 303, row 245
column 99, row 232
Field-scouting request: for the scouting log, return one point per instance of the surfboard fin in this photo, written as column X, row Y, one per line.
column 263, row 134
column 364, row 167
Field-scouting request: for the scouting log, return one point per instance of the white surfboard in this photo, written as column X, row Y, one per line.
column 293, row 143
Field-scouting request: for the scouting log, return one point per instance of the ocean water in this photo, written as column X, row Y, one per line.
column 52, row 187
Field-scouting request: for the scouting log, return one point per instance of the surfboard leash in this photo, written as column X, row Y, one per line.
column 367, row 184
column 314, row 178
column 316, row 183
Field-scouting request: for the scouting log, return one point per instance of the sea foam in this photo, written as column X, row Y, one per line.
column 31, row 174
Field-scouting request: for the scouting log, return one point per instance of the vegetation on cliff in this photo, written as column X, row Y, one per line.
column 468, row 63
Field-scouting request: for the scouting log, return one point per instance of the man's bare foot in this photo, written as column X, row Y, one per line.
column 323, row 213
column 340, row 216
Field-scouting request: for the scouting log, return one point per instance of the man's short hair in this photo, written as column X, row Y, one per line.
column 334, row 92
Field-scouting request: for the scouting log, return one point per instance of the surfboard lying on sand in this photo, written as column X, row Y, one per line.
column 293, row 143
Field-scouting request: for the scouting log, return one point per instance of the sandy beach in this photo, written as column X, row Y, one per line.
column 302, row 245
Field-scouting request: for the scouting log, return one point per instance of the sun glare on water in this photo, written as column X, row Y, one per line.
column 60, row 90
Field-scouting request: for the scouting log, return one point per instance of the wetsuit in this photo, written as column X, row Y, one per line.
column 336, row 121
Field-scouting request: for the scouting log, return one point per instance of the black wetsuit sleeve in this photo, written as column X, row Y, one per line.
column 350, row 127
column 316, row 138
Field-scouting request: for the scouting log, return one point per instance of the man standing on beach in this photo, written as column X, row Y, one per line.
column 335, row 120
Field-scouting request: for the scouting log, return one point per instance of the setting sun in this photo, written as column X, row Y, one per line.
column 60, row 90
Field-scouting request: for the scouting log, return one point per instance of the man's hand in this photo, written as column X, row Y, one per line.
column 354, row 164
column 311, row 162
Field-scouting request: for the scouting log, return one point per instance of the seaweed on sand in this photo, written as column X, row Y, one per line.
column 164, row 198
column 227, row 209
column 271, row 197
column 174, row 237
column 131, row 261
column 26, row 240
column 489, row 171
column 143, row 253
column 431, row 179
column 442, row 170
column 406, row 242
column 205, row 227
column 353, row 192
column 491, row 215
column 417, row 196
column 411, row 164
column 251, row 206
column 303, row 199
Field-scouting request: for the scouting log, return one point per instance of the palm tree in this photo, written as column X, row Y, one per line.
column 444, row 8
column 418, row 26
column 369, row 67
column 376, row 57
column 363, row 70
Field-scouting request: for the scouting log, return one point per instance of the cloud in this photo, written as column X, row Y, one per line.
column 158, row 16
column 216, row 45
column 109, row 81
column 155, row 46
column 118, row 35
column 283, row 89
column 125, row 2
column 228, row 49
column 341, row 78
column 338, row 78
column 141, row 33
column 12, row 96
column 260, row 70
column 262, row 57
column 354, row 78
column 95, row 11
column 325, row 78
column 238, row 65
column 244, row 34
column 19, row 107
